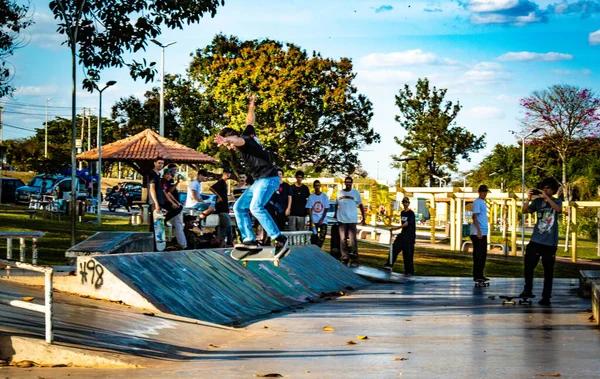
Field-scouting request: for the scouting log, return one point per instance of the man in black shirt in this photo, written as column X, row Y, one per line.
column 300, row 194
column 405, row 241
column 222, row 207
column 266, row 181
column 155, row 190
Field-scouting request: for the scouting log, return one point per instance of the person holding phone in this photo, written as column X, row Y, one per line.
column 544, row 239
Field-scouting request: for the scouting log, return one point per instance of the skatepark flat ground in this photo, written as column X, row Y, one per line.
column 426, row 328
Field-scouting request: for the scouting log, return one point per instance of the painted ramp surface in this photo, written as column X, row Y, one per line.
column 209, row 285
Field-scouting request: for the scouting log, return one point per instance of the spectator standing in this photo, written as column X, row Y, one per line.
column 479, row 233
column 177, row 219
column 405, row 241
column 544, row 240
column 348, row 200
column 300, row 194
column 222, row 207
column 317, row 205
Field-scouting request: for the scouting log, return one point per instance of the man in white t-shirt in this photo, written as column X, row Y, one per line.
column 479, row 233
column 193, row 199
column 347, row 216
column 317, row 205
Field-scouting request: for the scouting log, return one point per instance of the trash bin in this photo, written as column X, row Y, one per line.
column 466, row 230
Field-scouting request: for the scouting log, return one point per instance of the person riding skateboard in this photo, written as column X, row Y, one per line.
column 266, row 181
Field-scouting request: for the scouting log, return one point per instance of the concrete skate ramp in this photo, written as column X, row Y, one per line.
column 210, row 286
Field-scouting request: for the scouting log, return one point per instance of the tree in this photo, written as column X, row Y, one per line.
column 13, row 20
column 309, row 112
column 501, row 168
column 107, row 31
column 564, row 114
column 432, row 135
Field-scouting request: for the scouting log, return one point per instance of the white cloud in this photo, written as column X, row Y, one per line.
column 491, row 5
column 585, row 72
column 485, row 73
column 43, row 90
column 405, row 58
column 594, row 38
column 43, row 32
column 526, row 56
column 385, row 77
column 485, row 113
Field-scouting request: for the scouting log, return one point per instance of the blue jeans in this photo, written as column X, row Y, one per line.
column 254, row 200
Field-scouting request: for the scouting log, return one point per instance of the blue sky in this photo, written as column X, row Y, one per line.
column 488, row 53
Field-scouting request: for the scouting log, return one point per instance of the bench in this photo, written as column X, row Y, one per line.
column 468, row 245
column 586, row 278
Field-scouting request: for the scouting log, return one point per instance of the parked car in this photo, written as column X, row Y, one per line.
column 9, row 189
column 52, row 185
column 132, row 190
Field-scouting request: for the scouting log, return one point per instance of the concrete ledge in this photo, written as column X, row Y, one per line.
column 586, row 278
column 113, row 243
column 34, row 352
column 596, row 301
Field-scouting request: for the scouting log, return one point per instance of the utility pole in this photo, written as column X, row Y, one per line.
column 89, row 118
column 82, row 135
column 46, row 128
column 1, row 124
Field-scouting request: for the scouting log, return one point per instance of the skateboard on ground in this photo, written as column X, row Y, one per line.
column 266, row 253
column 159, row 230
column 511, row 300
column 482, row 283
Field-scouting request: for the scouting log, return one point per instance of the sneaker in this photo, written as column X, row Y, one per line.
column 248, row 245
column 387, row 266
column 545, row 301
column 527, row 294
column 480, row 279
column 282, row 244
column 345, row 261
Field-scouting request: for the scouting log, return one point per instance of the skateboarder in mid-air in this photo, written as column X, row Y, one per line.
column 266, row 181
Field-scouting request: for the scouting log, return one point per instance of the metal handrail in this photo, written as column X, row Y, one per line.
column 296, row 238
column 21, row 236
column 47, row 308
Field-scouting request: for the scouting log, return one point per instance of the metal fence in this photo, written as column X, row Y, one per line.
column 298, row 238
column 22, row 236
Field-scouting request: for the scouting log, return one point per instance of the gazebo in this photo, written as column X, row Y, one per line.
column 139, row 151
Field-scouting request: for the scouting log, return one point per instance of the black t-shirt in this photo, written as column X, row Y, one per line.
column 255, row 156
column 409, row 233
column 299, row 197
column 220, row 188
column 155, row 178
column 280, row 197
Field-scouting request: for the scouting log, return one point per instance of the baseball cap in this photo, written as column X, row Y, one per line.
column 227, row 170
column 168, row 171
column 483, row 188
column 405, row 199
column 202, row 172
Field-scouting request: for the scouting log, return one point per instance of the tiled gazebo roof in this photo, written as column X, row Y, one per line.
column 146, row 146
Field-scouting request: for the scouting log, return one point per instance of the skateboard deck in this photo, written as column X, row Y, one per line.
column 482, row 283
column 511, row 300
column 159, row 230
column 267, row 253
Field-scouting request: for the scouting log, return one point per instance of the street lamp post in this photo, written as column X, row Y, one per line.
column 464, row 215
column 523, row 137
column 46, row 133
column 99, row 143
column 162, row 84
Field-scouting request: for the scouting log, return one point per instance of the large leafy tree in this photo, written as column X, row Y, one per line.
column 309, row 112
column 105, row 32
column 501, row 168
column 13, row 19
column 433, row 137
column 564, row 114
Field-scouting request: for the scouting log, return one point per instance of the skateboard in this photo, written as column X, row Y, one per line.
column 511, row 300
column 353, row 260
column 482, row 283
column 159, row 230
column 266, row 253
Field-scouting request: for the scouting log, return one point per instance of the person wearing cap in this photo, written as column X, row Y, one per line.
column 544, row 239
column 194, row 200
column 405, row 241
column 266, row 181
column 479, row 232
column 298, row 211
column 173, row 208
column 222, row 207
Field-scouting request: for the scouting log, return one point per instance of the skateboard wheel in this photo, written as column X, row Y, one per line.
column 244, row 263
column 276, row 262
column 503, row 302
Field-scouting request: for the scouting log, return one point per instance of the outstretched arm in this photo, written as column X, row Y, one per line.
column 250, row 118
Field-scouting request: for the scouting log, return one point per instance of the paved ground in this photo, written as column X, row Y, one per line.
column 441, row 327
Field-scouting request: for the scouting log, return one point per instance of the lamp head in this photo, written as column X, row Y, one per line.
column 111, row 83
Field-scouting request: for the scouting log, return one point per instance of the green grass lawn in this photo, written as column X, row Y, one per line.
column 428, row 262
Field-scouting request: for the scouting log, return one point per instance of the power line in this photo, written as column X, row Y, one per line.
column 17, row 127
column 25, row 105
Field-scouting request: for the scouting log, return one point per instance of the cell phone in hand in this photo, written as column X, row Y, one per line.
column 536, row 192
